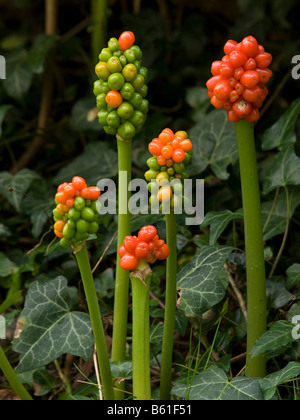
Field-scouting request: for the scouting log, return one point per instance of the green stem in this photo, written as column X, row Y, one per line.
column 122, row 276
column 140, row 281
column 255, row 264
column 170, row 309
column 95, row 315
column 12, row 378
column 99, row 19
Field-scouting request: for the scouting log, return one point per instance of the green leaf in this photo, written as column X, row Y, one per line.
column 279, row 335
column 282, row 133
column 198, row 282
column 51, row 327
column 3, row 111
column 212, row 384
column 218, row 221
column 277, row 295
column 121, row 370
column 270, row 382
column 284, row 171
column 96, row 162
column 293, row 276
column 18, row 74
column 214, row 143
column 277, row 222
column 39, row 51
column 6, row 266
column 19, row 183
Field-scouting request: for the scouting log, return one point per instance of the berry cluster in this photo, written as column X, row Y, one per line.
column 146, row 246
column 121, row 88
column 75, row 214
column 171, row 153
column 238, row 82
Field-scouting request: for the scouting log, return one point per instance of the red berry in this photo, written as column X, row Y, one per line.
column 222, row 90
column 264, row 75
column 238, row 73
column 130, row 243
column 79, row 183
column 230, row 46
column 122, row 251
column 263, row 60
column 250, row 64
column 253, row 94
column 164, row 252
column 249, row 46
column 237, row 58
column 147, row 233
column 239, row 88
column 217, row 103
column 253, row 116
column 211, row 83
column 215, row 67
column 234, row 96
column 226, row 70
column 142, row 250
column 155, row 147
column 231, row 116
column 126, row 40
column 249, row 79
column 129, row 262
column 242, row 108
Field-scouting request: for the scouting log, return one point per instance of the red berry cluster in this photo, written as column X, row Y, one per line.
column 238, row 82
column 146, row 246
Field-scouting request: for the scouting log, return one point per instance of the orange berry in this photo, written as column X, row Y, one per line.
column 167, row 151
column 181, row 134
column 186, row 145
column 178, row 155
column 161, row 160
column 114, row 99
column 58, row 234
column 126, row 40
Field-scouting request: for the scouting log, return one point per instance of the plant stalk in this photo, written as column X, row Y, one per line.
column 170, row 309
column 12, row 378
column 99, row 19
column 254, row 247
column 140, row 281
column 95, row 315
column 122, row 276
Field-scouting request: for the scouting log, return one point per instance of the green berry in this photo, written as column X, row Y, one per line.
column 73, row 214
column 105, row 54
column 102, row 71
column 153, row 187
column 68, row 231
column 102, row 117
column 137, row 118
column 127, row 91
column 150, row 175
column 179, row 167
column 66, row 243
column 115, row 81
column 138, row 82
column 129, row 72
column 113, row 45
column 137, row 52
column 101, row 102
column 93, row 228
column 144, row 90
column 152, row 163
column 113, row 119
column 130, row 56
column 57, row 215
column 188, row 158
column 126, row 130
column 144, row 72
column 144, row 106
column 125, row 110
column 82, row 226
column 136, row 101
column 79, row 203
column 114, row 65
column 88, row 214
column 123, row 60
column 110, row 130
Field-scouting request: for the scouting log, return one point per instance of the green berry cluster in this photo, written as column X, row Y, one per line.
column 121, row 89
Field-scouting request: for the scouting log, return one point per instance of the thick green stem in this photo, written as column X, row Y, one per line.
column 255, row 264
column 12, row 378
column 122, row 276
column 95, row 315
column 99, row 20
column 170, row 309
column 140, row 281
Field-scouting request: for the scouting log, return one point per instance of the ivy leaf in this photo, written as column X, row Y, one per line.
column 270, row 382
column 214, row 143
column 293, row 276
column 198, row 282
column 20, row 184
column 284, row 171
column 218, row 221
column 18, row 74
column 84, row 115
column 51, row 327
column 282, row 133
column 213, row 384
column 6, row 266
column 277, row 295
column 278, row 336
column 277, row 222
column 96, row 162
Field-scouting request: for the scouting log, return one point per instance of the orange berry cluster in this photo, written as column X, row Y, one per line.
column 75, row 214
column 146, row 246
column 170, row 148
column 238, row 82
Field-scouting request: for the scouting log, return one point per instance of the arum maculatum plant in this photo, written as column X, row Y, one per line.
column 136, row 253
column 75, row 219
column 121, row 100
column 238, row 86
column 171, row 152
